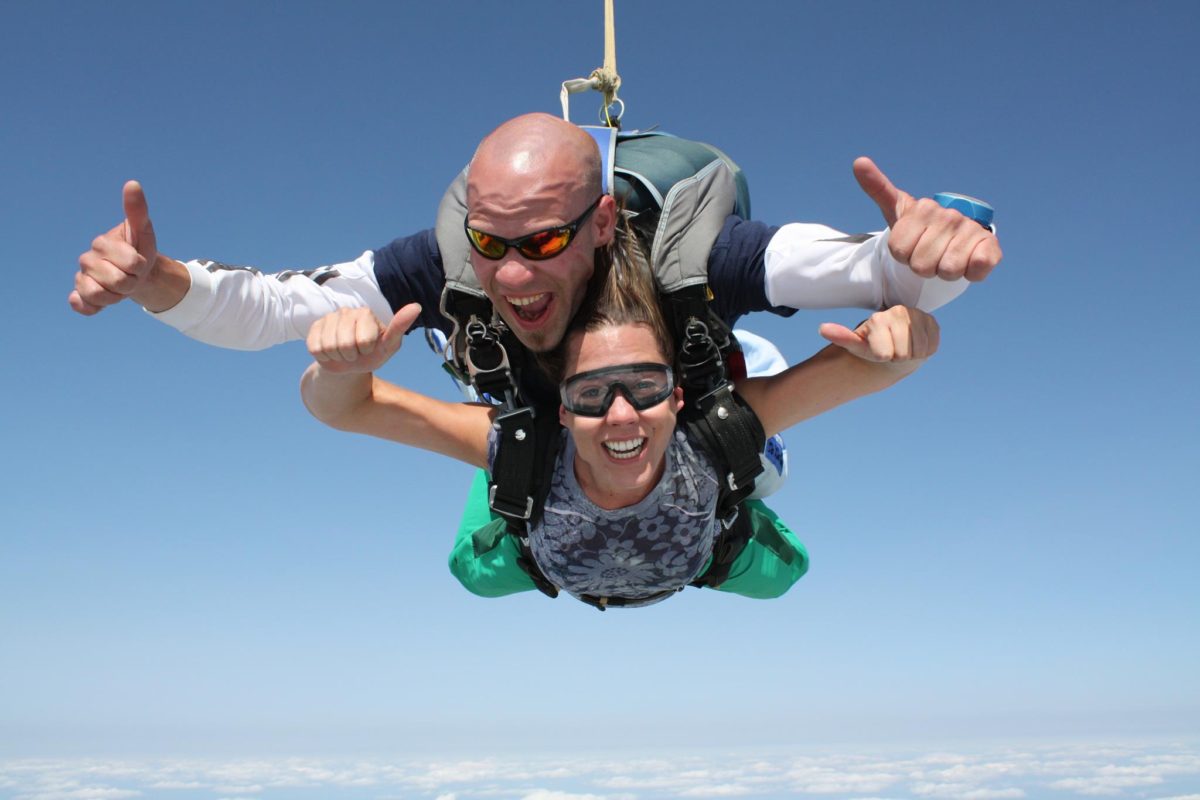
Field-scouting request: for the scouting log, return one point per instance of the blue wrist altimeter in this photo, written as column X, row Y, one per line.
column 971, row 207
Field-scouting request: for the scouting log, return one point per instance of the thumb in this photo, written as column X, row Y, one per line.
column 891, row 201
column 844, row 337
column 139, row 229
column 393, row 335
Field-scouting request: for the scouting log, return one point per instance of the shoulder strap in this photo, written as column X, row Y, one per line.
column 526, row 450
column 708, row 359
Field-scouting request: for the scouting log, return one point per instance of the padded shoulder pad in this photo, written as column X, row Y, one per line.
column 456, row 252
column 649, row 164
column 693, row 187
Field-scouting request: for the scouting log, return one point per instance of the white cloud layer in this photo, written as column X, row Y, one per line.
column 1141, row 772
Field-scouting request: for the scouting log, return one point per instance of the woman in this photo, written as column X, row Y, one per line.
column 631, row 508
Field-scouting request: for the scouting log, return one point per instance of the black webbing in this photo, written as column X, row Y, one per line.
column 728, row 547
column 733, row 438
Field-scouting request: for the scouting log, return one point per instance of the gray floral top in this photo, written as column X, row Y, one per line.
column 659, row 544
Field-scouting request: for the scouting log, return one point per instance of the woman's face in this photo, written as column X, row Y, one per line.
column 619, row 456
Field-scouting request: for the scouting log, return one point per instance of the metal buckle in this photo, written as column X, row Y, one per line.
column 510, row 511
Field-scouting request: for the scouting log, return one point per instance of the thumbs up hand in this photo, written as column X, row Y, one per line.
column 120, row 263
column 895, row 335
column 351, row 340
column 931, row 240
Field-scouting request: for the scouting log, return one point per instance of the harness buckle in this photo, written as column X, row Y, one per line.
column 701, row 368
column 487, row 362
column 509, row 509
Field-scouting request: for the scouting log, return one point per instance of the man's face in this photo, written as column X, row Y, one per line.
column 536, row 298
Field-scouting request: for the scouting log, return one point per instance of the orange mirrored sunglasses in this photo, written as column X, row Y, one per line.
column 537, row 246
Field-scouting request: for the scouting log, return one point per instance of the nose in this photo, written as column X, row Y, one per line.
column 513, row 272
column 620, row 412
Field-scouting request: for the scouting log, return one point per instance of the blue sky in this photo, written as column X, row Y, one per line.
column 1003, row 546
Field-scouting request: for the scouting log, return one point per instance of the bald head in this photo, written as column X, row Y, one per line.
column 542, row 150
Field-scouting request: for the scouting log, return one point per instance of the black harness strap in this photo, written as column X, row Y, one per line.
column 513, row 485
column 525, row 561
column 602, row 603
column 708, row 360
column 719, row 418
column 731, row 434
column 728, row 547
column 529, row 466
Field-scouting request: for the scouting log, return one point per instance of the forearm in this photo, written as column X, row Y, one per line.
column 827, row 380
column 814, row 266
column 246, row 309
column 333, row 398
column 363, row 403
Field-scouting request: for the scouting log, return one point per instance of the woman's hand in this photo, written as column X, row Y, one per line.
column 351, row 340
column 896, row 334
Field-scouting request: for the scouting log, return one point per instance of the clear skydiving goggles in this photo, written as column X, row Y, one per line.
column 589, row 394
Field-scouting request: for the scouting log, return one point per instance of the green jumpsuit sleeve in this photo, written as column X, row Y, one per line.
column 773, row 560
column 484, row 558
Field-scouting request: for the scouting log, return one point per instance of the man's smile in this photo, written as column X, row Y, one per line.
column 530, row 307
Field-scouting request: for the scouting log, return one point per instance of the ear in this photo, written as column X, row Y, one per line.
column 604, row 218
column 677, row 400
column 562, row 415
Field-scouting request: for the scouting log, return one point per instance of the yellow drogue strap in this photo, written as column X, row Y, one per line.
column 604, row 80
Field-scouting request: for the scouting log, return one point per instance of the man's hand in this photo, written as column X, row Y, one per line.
column 930, row 239
column 897, row 334
column 351, row 340
column 120, row 262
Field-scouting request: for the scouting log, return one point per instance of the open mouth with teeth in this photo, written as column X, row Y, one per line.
column 625, row 449
column 530, row 308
